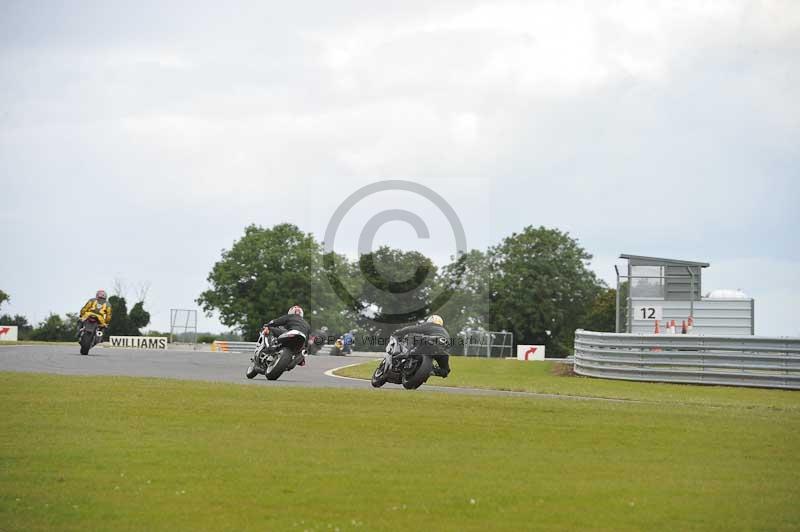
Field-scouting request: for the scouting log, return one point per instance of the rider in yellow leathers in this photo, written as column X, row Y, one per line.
column 97, row 306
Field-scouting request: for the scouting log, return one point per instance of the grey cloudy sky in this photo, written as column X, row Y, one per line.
column 137, row 141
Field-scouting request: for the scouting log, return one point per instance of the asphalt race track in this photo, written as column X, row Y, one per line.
column 199, row 366
column 170, row 364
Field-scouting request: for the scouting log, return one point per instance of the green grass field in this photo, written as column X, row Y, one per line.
column 549, row 377
column 109, row 453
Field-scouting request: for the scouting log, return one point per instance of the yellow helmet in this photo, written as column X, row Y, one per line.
column 435, row 318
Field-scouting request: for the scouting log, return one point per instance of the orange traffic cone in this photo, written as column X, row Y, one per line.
column 657, row 331
column 683, row 327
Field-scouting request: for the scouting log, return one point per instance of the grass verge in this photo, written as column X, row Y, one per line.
column 554, row 378
column 109, row 453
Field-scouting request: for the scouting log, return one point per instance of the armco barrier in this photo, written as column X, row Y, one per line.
column 249, row 347
column 233, row 347
column 728, row 360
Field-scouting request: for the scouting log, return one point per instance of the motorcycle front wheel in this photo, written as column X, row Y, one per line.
column 86, row 343
column 380, row 375
column 251, row 371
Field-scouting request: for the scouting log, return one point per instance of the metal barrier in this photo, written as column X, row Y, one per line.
column 480, row 343
column 248, row 347
column 233, row 347
column 727, row 360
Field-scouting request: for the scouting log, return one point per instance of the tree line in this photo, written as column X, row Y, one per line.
column 65, row 328
column 535, row 283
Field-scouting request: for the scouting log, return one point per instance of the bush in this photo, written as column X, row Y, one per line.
column 54, row 328
column 206, row 338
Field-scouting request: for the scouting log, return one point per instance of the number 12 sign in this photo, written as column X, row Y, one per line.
column 647, row 313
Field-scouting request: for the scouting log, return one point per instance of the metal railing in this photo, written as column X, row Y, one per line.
column 479, row 343
column 233, row 347
column 727, row 360
column 248, row 347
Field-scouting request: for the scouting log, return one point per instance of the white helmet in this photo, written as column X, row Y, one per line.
column 297, row 309
column 435, row 318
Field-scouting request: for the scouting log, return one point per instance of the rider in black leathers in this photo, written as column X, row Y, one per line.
column 289, row 322
column 423, row 337
column 293, row 320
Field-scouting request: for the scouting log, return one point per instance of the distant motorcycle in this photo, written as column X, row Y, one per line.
column 409, row 367
column 90, row 333
column 315, row 343
column 338, row 347
column 273, row 356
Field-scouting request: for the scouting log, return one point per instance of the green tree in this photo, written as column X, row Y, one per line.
column 124, row 323
column 541, row 287
column 263, row 274
column 467, row 282
column 335, row 304
column 4, row 298
column 138, row 317
column 399, row 286
column 120, row 323
column 396, row 290
column 601, row 316
column 54, row 328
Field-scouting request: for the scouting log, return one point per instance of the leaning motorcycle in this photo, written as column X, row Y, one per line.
column 315, row 343
column 90, row 333
column 338, row 348
column 273, row 356
column 409, row 367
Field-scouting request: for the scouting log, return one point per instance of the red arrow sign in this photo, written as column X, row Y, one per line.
column 530, row 351
column 4, row 330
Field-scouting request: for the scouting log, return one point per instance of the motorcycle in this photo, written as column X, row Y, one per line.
column 273, row 356
column 315, row 343
column 409, row 367
column 338, row 348
column 90, row 333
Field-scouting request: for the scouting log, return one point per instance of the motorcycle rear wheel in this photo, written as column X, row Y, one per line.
column 278, row 365
column 412, row 381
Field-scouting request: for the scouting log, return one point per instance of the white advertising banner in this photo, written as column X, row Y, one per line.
column 139, row 342
column 530, row 352
column 8, row 333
